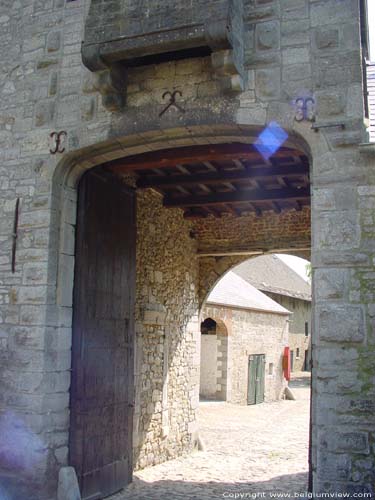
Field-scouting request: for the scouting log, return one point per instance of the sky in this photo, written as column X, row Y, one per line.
column 296, row 263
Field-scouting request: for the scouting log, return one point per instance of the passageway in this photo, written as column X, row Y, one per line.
column 258, row 449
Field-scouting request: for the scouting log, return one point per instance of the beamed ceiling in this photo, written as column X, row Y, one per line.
column 222, row 178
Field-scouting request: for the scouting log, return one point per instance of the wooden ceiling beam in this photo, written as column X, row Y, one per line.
column 210, row 167
column 183, row 169
column 159, row 172
column 192, row 154
column 239, row 164
column 215, row 177
column 217, row 199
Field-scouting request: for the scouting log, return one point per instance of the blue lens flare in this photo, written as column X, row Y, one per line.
column 270, row 140
column 20, row 448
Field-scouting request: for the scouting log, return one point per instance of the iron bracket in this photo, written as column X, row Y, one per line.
column 15, row 235
column 172, row 101
column 316, row 128
column 304, row 111
column 57, row 137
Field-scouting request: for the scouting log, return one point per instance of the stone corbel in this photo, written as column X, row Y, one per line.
column 226, row 71
column 218, row 34
column 219, row 39
column 110, row 81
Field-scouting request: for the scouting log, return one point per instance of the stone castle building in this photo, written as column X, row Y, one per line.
column 244, row 334
column 282, row 284
column 146, row 148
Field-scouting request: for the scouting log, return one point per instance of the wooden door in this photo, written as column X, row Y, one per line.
column 103, row 335
column 256, row 379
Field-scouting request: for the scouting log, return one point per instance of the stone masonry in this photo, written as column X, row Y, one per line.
column 252, row 332
column 299, row 327
column 166, row 329
column 291, row 49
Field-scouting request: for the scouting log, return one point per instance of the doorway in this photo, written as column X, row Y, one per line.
column 192, row 229
column 101, row 398
column 255, row 388
column 213, row 361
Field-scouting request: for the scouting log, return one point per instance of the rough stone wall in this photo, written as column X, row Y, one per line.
column 301, row 314
column 38, row 79
column 343, row 348
column 252, row 332
column 167, row 333
column 223, row 362
column 288, row 230
column 124, row 18
column 303, row 343
column 214, row 368
column 300, row 309
column 147, row 85
column 209, row 366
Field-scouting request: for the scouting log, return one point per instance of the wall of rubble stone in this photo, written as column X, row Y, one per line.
column 293, row 48
column 252, row 332
column 258, row 233
column 214, row 360
column 300, row 347
column 301, row 314
column 167, row 333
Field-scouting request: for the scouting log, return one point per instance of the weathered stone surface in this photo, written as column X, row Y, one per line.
column 267, row 82
column 269, row 335
column 44, row 114
column 330, row 104
column 347, row 442
column 337, row 467
column 350, row 318
column 68, row 485
column 327, row 38
column 333, row 283
column 268, row 35
column 54, row 41
column 167, row 273
column 338, row 228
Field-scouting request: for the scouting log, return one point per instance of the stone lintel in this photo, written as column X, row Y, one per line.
column 108, row 52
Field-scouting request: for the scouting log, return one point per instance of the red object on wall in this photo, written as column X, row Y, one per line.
column 286, row 363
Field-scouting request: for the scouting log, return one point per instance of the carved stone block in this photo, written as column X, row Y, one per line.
column 127, row 33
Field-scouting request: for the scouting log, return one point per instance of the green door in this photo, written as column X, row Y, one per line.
column 255, row 388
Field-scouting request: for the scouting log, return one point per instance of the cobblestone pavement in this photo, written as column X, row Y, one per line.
column 249, row 449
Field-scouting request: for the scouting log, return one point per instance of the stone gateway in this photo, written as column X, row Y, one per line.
column 265, row 151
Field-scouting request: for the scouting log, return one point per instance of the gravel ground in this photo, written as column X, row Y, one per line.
column 249, row 450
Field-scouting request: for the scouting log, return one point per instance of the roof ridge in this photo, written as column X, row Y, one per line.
column 270, row 273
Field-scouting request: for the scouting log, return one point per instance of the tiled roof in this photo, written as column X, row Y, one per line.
column 271, row 274
column 234, row 291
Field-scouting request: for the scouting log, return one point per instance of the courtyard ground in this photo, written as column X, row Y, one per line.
column 257, row 450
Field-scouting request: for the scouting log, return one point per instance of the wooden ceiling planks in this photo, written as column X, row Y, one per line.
column 222, row 179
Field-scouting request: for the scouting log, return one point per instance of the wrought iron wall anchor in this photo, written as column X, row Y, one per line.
column 172, row 101
column 316, row 128
column 305, row 109
column 15, row 235
column 58, row 138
